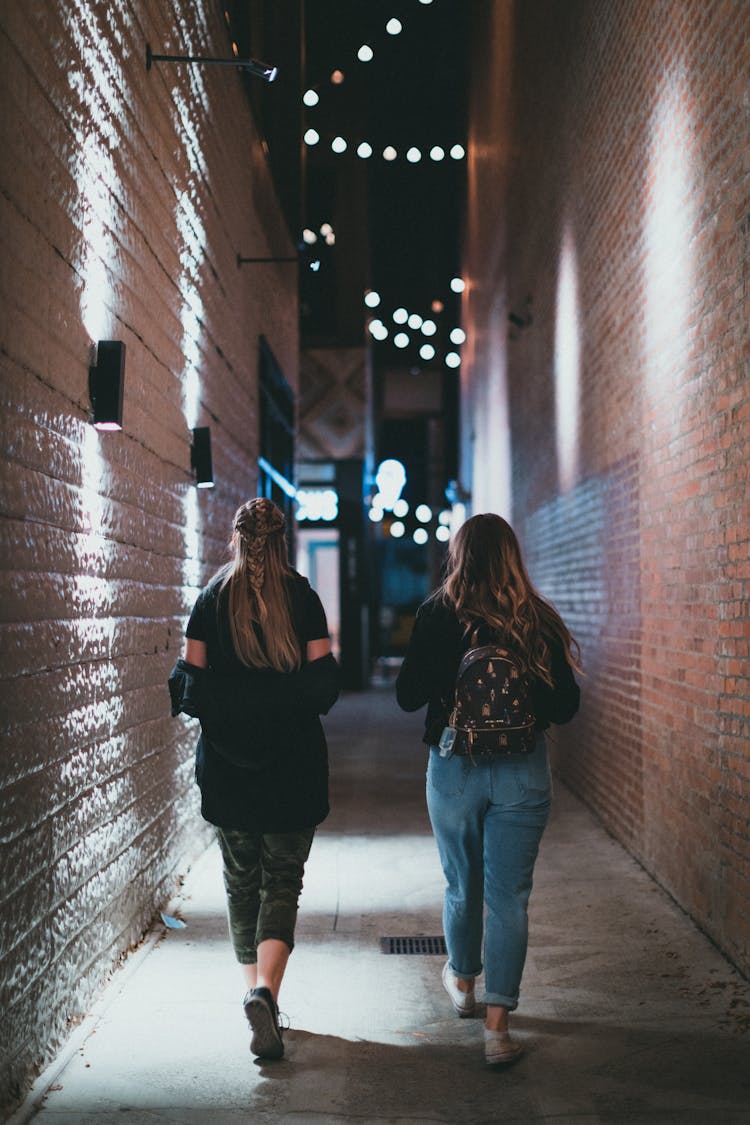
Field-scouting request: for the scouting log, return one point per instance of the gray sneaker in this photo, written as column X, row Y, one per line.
column 263, row 1017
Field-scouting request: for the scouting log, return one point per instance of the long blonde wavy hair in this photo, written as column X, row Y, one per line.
column 260, row 622
column 486, row 581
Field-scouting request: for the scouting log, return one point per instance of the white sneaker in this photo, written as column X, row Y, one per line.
column 500, row 1049
column 463, row 1002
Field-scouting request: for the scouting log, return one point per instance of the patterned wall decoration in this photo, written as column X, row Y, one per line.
column 332, row 404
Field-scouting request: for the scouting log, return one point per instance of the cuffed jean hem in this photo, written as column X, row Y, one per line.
column 495, row 999
column 464, row 976
column 250, row 956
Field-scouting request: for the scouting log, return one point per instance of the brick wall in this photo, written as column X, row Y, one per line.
column 609, row 211
column 126, row 197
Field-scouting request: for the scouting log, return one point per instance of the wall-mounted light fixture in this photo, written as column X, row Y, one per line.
column 524, row 318
column 246, row 261
column 200, row 457
column 260, row 69
column 106, row 382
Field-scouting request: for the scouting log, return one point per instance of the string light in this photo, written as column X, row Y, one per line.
column 457, row 152
column 338, row 144
column 337, row 77
column 429, row 328
column 453, row 359
column 365, row 53
column 401, row 340
column 443, row 533
column 364, row 149
column 309, row 236
column 457, row 336
column 400, row 316
column 310, row 98
column 372, row 299
column 427, row 351
column 394, row 27
column 397, row 529
column 420, row 536
column 423, row 513
column 458, row 284
column 401, row 508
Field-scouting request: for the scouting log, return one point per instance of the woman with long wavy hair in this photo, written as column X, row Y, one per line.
column 258, row 672
column 488, row 810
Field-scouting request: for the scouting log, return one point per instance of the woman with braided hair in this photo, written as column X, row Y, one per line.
column 258, row 672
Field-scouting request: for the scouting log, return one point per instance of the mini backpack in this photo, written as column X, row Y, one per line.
column 492, row 711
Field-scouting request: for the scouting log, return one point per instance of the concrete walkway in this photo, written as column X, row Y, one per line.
column 628, row 1013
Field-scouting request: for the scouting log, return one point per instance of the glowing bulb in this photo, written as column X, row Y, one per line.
column 309, row 236
column 331, row 239
column 401, row 340
column 429, row 328
column 310, row 97
column 453, row 359
column 443, row 533
column 400, row 316
column 414, row 155
column 415, row 321
column 372, row 299
column 458, row 336
column 312, row 137
column 400, row 508
column 365, row 53
column 437, row 306
column 338, row 144
column 445, row 516
column 375, row 514
column 364, row 150
column 458, row 284
column 389, row 153
column 424, row 513
column 457, row 152
column 397, row 529
column 337, row 77
column 427, row 351
column 437, row 153
column 375, row 327
column 420, row 536
column 393, row 27
column 326, row 229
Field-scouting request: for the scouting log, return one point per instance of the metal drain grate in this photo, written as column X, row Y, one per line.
column 413, row 945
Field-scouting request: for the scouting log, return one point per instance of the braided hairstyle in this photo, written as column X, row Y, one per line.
column 260, row 622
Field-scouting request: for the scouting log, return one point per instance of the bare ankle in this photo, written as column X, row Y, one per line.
column 497, row 1018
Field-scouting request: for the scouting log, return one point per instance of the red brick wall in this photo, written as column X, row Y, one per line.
column 613, row 175
column 125, row 199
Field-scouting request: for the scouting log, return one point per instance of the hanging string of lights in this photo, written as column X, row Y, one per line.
column 425, row 326
column 363, row 148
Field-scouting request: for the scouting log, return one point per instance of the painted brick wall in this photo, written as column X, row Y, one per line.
column 126, row 197
column 609, row 211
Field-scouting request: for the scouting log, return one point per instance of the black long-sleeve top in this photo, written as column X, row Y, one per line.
column 428, row 673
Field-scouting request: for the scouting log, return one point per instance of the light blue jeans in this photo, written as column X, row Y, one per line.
column 488, row 816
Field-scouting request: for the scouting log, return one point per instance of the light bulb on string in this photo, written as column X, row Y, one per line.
column 401, row 508
column 397, row 529
column 414, row 321
column 309, row 237
column 423, row 513
column 364, row 150
column 414, row 155
column 437, row 153
column 427, row 351
column 457, row 152
column 458, row 284
column 372, row 299
column 310, row 98
column 400, row 316
column 420, row 537
column 453, row 359
column 394, row 26
column 457, row 336
column 337, row 77
column 442, row 533
column 429, row 328
column 401, row 340
column 365, row 53
column 312, row 137
column 338, row 144
column 389, row 153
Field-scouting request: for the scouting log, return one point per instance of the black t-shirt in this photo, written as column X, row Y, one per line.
column 290, row 792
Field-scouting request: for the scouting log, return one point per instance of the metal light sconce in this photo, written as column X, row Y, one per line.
column 200, row 457
column 259, row 69
column 106, row 383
